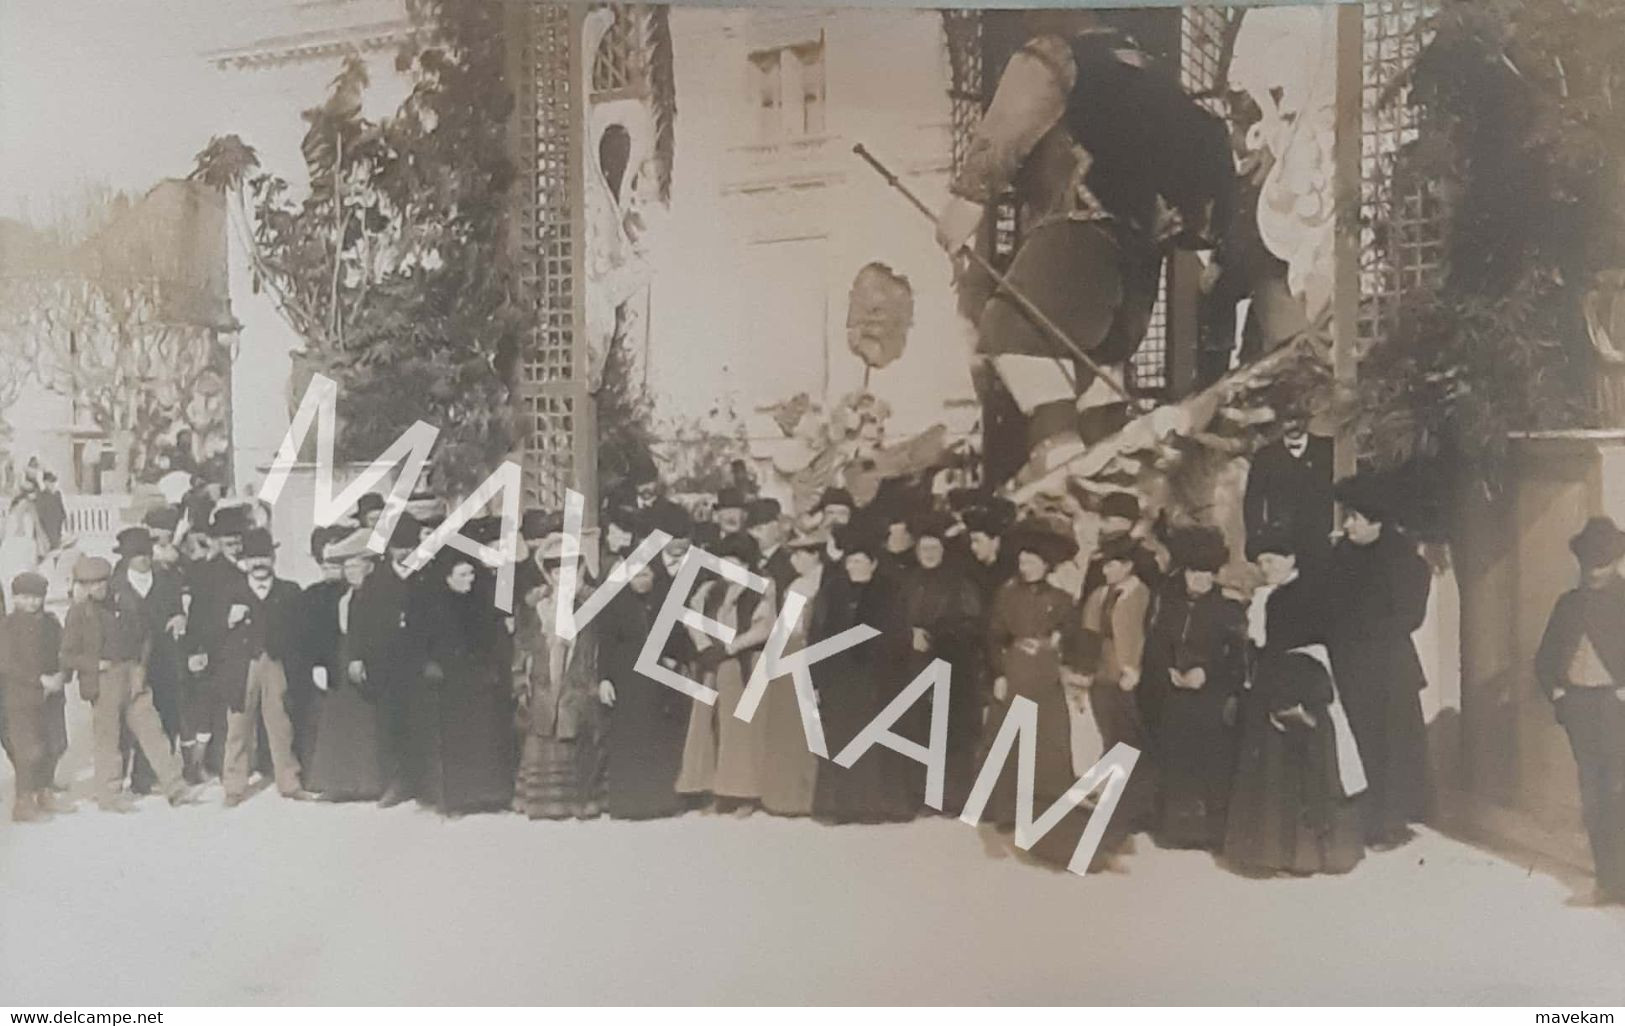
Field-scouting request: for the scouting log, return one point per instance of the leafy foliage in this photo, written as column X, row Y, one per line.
column 396, row 268
column 1522, row 145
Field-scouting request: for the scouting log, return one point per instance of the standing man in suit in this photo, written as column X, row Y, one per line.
column 1289, row 491
column 153, row 595
column 262, row 628
column 1581, row 667
column 103, row 645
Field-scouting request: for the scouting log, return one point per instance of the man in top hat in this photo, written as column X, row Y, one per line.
column 386, row 655
column 51, row 511
column 33, row 730
column 728, row 512
column 1289, row 488
column 1581, row 666
column 764, row 520
column 153, row 597
column 102, row 646
column 1379, row 586
column 1119, row 519
column 262, row 628
column 835, row 509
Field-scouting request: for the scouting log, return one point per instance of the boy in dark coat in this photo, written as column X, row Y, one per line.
column 1581, row 666
column 31, row 696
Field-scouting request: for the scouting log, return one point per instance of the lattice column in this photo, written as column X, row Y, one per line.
column 1401, row 241
column 554, row 409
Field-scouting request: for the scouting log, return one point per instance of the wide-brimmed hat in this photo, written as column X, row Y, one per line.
column 407, row 533
column 738, row 546
column 1369, row 494
column 763, row 511
column 91, row 569
column 674, row 520
column 1045, row 539
column 134, row 541
column 536, row 524
column 163, row 518
column 229, row 521
column 835, row 497
column 931, row 524
column 1273, row 541
column 351, row 545
column 1600, row 543
column 1199, row 548
column 992, row 518
column 258, row 544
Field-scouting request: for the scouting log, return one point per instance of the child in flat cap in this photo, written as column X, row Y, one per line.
column 34, row 733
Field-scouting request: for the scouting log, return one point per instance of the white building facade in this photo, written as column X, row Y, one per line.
column 772, row 215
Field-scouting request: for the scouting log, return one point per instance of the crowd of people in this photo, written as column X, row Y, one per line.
column 1259, row 716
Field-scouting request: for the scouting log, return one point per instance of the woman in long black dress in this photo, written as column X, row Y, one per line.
column 854, row 686
column 944, row 619
column 647, row 719
column 467, row 717
column 1288, row 812
column 345, row 765
column 1196, row 659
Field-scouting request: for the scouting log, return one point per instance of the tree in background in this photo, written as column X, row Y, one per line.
column 1522, row 146
column 122, row 308
column 396, row 270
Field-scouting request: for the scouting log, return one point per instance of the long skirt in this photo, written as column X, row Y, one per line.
column 1196, row 766
column 1037, row 677
column 1385, row 714
column 789, row 768
column 723, row 755
column 1287, row 812
column 560, row 778
column 33, row 732
column 644, row 751
column 347, row 763
column 464, row 740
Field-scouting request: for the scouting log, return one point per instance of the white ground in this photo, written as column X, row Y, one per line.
column 282, row 903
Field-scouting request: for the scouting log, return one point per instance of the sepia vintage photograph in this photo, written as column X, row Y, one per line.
column 528, row 503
